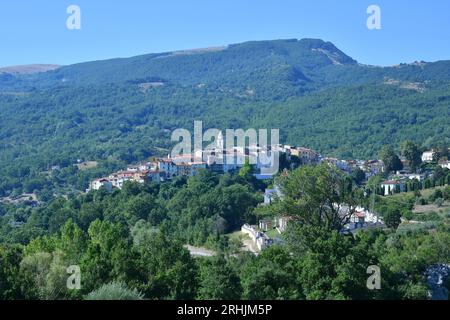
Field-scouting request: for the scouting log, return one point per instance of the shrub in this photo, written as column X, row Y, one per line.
column 407, row 214
column 114, row 291
column 436, row 195
column 446, row 193
column 439, row 202
column 422, row 201
column 430, row 216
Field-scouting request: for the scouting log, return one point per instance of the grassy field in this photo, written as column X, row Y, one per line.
column 273, row 234
column 431, row 208
column 238, row 235
column 425, row 193
column 87, row 165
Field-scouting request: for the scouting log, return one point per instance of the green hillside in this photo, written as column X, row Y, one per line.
column 122, row 110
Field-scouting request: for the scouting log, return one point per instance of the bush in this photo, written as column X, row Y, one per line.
column 439, row 202
column 407, row 214
column 114, row 291
column 446, row 193
column 436, row 195
column 430, row 216
column 422, row 201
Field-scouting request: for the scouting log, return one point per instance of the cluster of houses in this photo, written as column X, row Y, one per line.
column 218, row 159
column 308, row 156
column 362, row 218
column 224, row 160
column 154, row 171
column 429, row 156
column 397, row 182
column 359, row 219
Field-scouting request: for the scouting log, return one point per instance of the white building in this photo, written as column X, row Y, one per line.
column 260, row 239
column 362, row 215
column 427, row 156
column 283, row 222
column 101, row 183
column 391, row 186
column 445, row 164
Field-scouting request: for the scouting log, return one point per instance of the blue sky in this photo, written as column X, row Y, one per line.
column 35, row 31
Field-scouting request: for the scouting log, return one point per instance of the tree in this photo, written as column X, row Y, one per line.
column 141, row 207
column 166, row 269
column 246, row 171
column 326, row 266
column 48, row 274
column 358, row 176
column 316, row 195
column 441, row 152
column 392, row 218
column 109, row 255
column 439, row 175
column 390, row 159
column 12, row 280
column 218, row 281
column 446, row 193
column 271, row 275
column 412, row 153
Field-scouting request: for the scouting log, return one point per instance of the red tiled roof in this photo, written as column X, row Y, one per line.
column 391, row 182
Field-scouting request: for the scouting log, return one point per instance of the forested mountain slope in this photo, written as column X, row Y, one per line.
column 122, row 110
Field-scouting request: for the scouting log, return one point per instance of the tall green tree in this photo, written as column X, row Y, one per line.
column 12, row 281
column 392, row 218
column 218, row 281
column 390, row 159
column 412, row 153
column 316, row 195
column 109, row 255
column 271, row 275
column 165, row 269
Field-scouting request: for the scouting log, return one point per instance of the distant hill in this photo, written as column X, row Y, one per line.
column 124, row 109
column 29, row 69
column 294, row 66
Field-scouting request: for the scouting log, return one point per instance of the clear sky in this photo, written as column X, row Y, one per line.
column 35, row 31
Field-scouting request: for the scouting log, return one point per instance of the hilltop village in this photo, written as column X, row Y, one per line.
column 262, row 235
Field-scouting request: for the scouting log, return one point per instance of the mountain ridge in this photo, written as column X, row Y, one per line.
column 29, row 68
column 295, row 66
